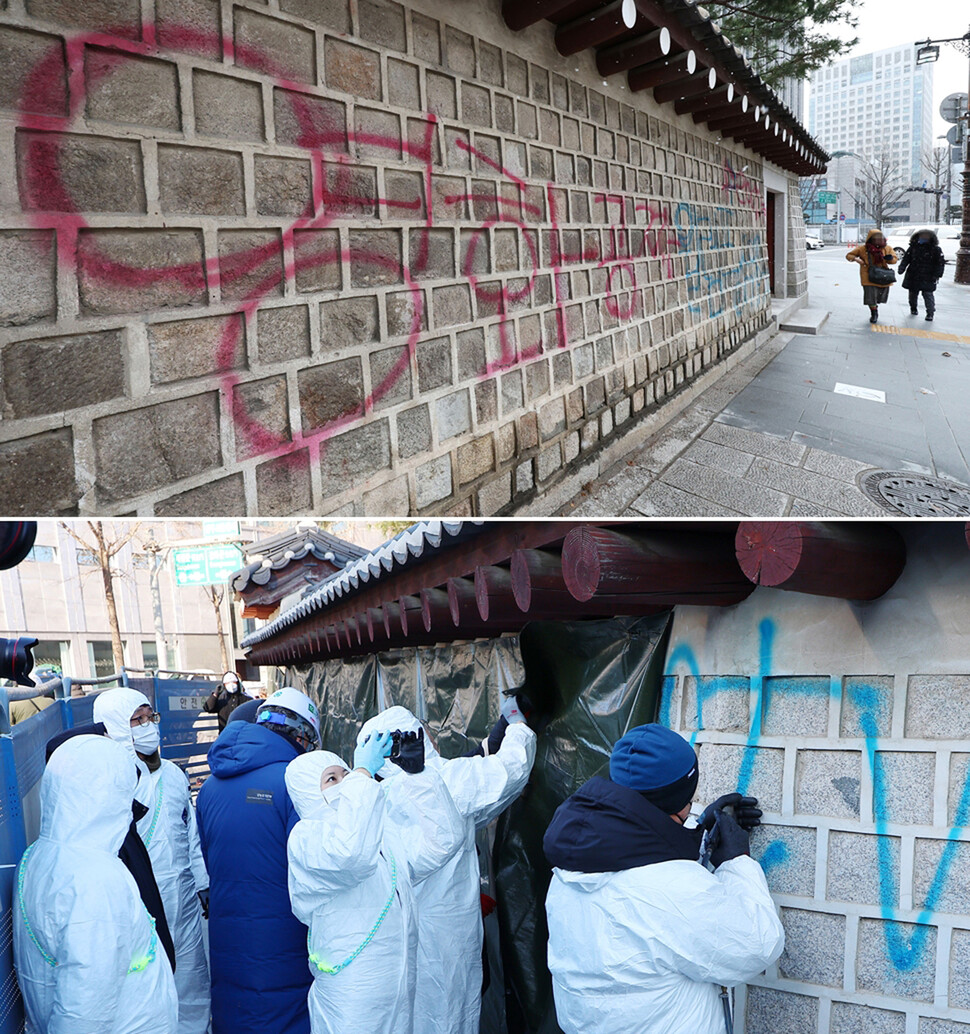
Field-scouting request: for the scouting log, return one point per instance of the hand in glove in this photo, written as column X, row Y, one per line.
column 746, row 811
column 512, row 709
column 370, row 754
column 727, row 840
column 411, row 756
column 204, row 902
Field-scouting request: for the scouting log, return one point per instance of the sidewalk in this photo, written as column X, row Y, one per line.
column 803, row 426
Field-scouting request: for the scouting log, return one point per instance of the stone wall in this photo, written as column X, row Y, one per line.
column 344, row 257
column 851, row 723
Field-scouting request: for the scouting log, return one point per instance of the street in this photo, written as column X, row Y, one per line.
column 793, row 430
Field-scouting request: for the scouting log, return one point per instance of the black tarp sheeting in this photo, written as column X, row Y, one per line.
column 590, row 680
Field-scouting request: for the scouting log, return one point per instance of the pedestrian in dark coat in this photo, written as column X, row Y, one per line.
column 875, row 252
column 923, row 265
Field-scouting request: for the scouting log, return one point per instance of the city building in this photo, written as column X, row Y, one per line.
column 57, row 595
column 870, row 107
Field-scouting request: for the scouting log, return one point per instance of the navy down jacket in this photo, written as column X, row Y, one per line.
column 257, row 947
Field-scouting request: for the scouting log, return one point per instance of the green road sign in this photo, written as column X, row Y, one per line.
column 220, row 529
column 206, row 565
column 828, row 197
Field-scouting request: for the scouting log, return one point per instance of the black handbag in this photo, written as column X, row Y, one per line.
column 881, row 277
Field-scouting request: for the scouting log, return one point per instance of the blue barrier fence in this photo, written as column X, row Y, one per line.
column 185, row 731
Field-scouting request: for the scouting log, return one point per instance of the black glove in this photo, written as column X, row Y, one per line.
column 727, row 840
column 411, row 756
column 204, row 901
column 746, row 811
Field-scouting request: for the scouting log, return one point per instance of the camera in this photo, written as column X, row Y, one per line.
column 16, row 659
column 396, row 737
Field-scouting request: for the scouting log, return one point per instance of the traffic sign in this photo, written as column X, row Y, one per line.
column 220, row 529
column 954, row 107
column 206, row 565
column 842, row 217
column 828, row 197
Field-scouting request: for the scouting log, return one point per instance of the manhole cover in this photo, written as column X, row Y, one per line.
column 916, row 495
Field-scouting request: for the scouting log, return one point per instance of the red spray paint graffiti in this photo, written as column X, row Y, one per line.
column 335, row 195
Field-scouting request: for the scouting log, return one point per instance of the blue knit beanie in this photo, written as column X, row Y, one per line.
column 657, row 763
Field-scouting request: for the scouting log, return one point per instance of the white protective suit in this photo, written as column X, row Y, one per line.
column 171, row 835
column 448, row 997
column 89, row 961
column 644, row 949
column 353, row 858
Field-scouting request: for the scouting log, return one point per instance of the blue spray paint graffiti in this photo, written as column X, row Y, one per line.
column 905, row 954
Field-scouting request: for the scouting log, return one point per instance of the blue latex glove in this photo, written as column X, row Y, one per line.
column 511, row 711
column 372, row 752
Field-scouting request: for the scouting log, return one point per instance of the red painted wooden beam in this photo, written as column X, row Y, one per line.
column 594, row 28
column 662, row 568
column 639, row 50
column 520, row 14
column 702, row 83
column 847, row 561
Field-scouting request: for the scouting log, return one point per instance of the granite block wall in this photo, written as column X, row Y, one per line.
column 342, row 257
column 849, row 722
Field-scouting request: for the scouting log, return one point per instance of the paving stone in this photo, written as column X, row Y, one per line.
column 846, row 499
column 453, row 415
column 662, row 500
column 331, row 393
column 250, row 264
column 814, row 947
column 433, row 481
column 413, row 431
column 292, row 47
column 958, row 793
column 863, row 868
column 737, row 494
column 718, row 456
column 227, row 107
column 928, row 1025
column 389, row 498
column 200, row 181
column 21, row 52
column 839, row 467
column 129, row 89
column 756, row 443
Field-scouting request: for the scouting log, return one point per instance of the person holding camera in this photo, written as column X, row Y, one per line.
column 642, row 934
column 354, row 857
column 874, row 258
column 448, row 994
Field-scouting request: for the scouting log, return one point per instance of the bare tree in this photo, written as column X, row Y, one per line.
column 216, row 594
column 104, row 549
column 937, row 164
column 881, row 187
column 808, row 188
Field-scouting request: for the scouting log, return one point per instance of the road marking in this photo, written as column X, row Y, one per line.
column 872, row 394
column 936, row 335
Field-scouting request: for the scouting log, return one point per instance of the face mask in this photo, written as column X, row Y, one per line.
column 145, row 738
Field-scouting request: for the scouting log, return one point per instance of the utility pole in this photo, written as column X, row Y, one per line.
column 154, row 550
column 928, row 51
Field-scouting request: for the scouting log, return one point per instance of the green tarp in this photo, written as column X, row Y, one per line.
column 592, row 680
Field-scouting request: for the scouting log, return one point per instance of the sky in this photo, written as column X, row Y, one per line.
column 888, row 23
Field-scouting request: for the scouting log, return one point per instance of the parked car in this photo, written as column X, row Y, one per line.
column 812, row 242
column 949, row 237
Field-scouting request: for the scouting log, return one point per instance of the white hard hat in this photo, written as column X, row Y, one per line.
column 293, row 700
